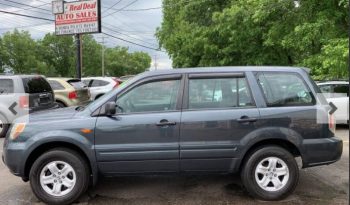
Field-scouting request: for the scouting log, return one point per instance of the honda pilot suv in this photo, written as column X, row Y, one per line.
column 249, row 120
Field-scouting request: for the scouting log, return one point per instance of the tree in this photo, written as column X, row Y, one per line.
column 92, row 56
column 57, row 55
column 120, row 62
column 257, row 32
column 17, row 50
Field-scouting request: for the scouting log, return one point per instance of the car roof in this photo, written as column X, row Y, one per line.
column 227, row 69
column 63, row 79
column 20, row 76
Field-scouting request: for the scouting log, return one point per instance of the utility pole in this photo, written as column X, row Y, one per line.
column 103, row 55
column 79, row 55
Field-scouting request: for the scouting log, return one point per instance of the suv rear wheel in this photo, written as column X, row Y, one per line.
column 270, row 173
column 59, row 176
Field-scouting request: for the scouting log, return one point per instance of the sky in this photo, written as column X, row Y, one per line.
column 136, row 26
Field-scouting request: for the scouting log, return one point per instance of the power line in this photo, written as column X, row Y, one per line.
column 128, row 36
column 34, row 7
column 112, row 6
column 115, row 11
column 21, row 9
column 156, row 49
column 28, row 16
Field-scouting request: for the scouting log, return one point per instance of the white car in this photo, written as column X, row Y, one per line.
column 100, row 85
column 337, row 92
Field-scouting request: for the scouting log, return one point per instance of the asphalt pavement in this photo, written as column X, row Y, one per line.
column 317, row 185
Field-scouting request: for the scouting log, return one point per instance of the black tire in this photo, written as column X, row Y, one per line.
column 248, row 173
column 61, row 105
column 74, row 159
column 4, row 127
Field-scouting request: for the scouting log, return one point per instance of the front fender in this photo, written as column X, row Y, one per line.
column 84, row 143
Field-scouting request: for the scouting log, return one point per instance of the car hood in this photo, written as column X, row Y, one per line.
column 53, row 114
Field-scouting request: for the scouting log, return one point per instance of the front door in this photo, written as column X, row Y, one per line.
column 218, row 112
column 143, row 137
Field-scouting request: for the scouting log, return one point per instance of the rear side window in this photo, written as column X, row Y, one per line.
column 34, row 85
column 55, row 85
column 6, row 86
column 99, row 83
column 284, row 89
column 344, row 89
column 219, row 93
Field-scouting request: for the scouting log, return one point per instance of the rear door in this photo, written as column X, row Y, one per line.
column 219, row 111
column 39, row 92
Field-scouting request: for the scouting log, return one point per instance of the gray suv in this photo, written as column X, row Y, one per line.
column 22, row 94
column 249, row 120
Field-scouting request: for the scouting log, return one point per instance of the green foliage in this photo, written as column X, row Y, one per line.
column 56, row 56
column 258, row 32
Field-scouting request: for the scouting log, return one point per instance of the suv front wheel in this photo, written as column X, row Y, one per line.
column 270, row 173
column 59, row 176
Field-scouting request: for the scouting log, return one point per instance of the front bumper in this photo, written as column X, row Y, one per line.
column 325, row 151
column 12, row 156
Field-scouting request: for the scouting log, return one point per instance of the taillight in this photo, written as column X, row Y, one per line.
column 116, row 83
column 331, row 123
column 24, row 102
column 73, row 95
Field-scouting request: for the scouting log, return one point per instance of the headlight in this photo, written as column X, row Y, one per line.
column 16, row 130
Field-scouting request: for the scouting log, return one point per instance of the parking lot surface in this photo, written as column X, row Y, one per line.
column 318, row 185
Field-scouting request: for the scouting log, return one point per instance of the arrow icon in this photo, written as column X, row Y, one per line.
column 334, row 108
column 12, row 108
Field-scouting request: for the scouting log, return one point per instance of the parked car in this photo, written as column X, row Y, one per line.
column 249, row 120
column 100, row 85
column 337, row 92
column 33, row 92
column 69, row 92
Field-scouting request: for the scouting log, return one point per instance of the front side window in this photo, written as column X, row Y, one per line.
column 6, row 86
column 157, row 96
column 219, row 93
column 284, row 89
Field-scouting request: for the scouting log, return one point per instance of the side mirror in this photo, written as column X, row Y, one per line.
column 110, row 109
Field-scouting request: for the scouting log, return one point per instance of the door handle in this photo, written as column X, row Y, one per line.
column 245, row 119
column 166, row 123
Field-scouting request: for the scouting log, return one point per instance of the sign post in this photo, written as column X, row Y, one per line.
column 77, row 18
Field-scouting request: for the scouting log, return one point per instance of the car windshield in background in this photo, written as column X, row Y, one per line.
column 36, row 85
column 77, row 84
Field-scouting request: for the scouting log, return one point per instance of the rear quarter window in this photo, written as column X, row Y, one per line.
column 55, row 85
column 284, row 89
column 6, row 86
column 34, row 85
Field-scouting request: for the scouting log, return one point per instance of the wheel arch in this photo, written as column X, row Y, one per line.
column 283, row 143
column 39, row 150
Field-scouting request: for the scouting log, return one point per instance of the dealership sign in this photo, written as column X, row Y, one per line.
column 77, row 17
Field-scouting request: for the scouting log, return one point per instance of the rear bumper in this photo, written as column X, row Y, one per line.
column 316, row 152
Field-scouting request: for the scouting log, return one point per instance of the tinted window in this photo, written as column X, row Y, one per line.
column 284, row 89
column 99, row 83
column 341, row 89
column 151, row 97
column 55, row 85
column 6, row 86
column 77, row 84
column 36, row 85
column 86, row 82
column 219, row 93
